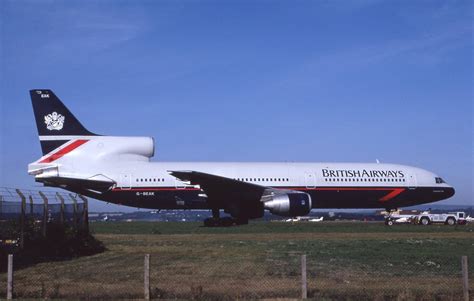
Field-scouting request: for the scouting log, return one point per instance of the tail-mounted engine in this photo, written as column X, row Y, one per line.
column 289, row 204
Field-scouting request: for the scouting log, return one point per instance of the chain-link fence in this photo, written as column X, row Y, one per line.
column 46, row 206
column 218, row 278
column 37, row 225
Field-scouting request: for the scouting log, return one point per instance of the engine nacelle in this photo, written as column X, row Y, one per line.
column 123, row 148
column 289, row 204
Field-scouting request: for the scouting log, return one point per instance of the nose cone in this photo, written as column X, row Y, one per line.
column 450, row 192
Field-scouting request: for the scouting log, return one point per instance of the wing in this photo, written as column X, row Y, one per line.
column 236, row 196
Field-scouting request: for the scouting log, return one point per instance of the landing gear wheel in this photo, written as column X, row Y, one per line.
column 227, row 222
column 241, row 221
column 217, row 221
column 389, row 222
column 216, row 213
column 211, row 222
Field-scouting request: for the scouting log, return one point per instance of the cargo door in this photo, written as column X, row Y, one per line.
column 412, row 181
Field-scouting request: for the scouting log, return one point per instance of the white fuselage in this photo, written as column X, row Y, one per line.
column 125, row 162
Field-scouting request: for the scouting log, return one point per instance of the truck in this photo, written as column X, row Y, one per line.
column 451, row 218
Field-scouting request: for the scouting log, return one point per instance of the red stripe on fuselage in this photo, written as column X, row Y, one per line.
column 155, row 189
column 393, row 190
column 63, row 151
column 392, row 194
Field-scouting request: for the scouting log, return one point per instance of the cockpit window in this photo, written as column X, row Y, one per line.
column 439, row 180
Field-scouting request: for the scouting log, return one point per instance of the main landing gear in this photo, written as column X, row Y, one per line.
column 217, row 221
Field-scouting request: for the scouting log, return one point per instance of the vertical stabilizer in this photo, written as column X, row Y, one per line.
column 56, row 124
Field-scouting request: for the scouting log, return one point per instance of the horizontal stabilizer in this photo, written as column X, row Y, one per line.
column 75, row 183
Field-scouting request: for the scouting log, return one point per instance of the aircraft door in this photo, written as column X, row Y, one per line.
column 412, row 183
column 125, row 181
column 310, row 180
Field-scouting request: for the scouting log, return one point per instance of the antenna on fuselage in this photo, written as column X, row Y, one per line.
column 377, row 161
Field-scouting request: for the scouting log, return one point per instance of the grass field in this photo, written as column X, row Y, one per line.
column 346, row 261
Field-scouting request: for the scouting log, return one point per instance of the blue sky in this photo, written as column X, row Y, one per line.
column 249, row 80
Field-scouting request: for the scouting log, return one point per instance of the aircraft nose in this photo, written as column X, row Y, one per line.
column 450, row 192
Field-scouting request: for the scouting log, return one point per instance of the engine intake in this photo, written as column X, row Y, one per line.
column 289, row 204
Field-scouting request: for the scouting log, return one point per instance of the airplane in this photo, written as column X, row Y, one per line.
column 118, row 170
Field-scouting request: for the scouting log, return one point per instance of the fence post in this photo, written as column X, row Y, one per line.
column 22, row 217
column 147, row 277
column 304, row 284
column 85, row 213
column 74, row 213
column 61, row 212
column 45, row 212
column 465, row 279
column 10, row 277
column 31, row 205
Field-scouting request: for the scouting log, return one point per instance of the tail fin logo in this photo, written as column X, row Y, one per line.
column 54, row 121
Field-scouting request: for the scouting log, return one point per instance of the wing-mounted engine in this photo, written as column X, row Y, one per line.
column 291, row 203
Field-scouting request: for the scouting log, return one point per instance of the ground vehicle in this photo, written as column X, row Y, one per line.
column 400, row 217
column 451, row 218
